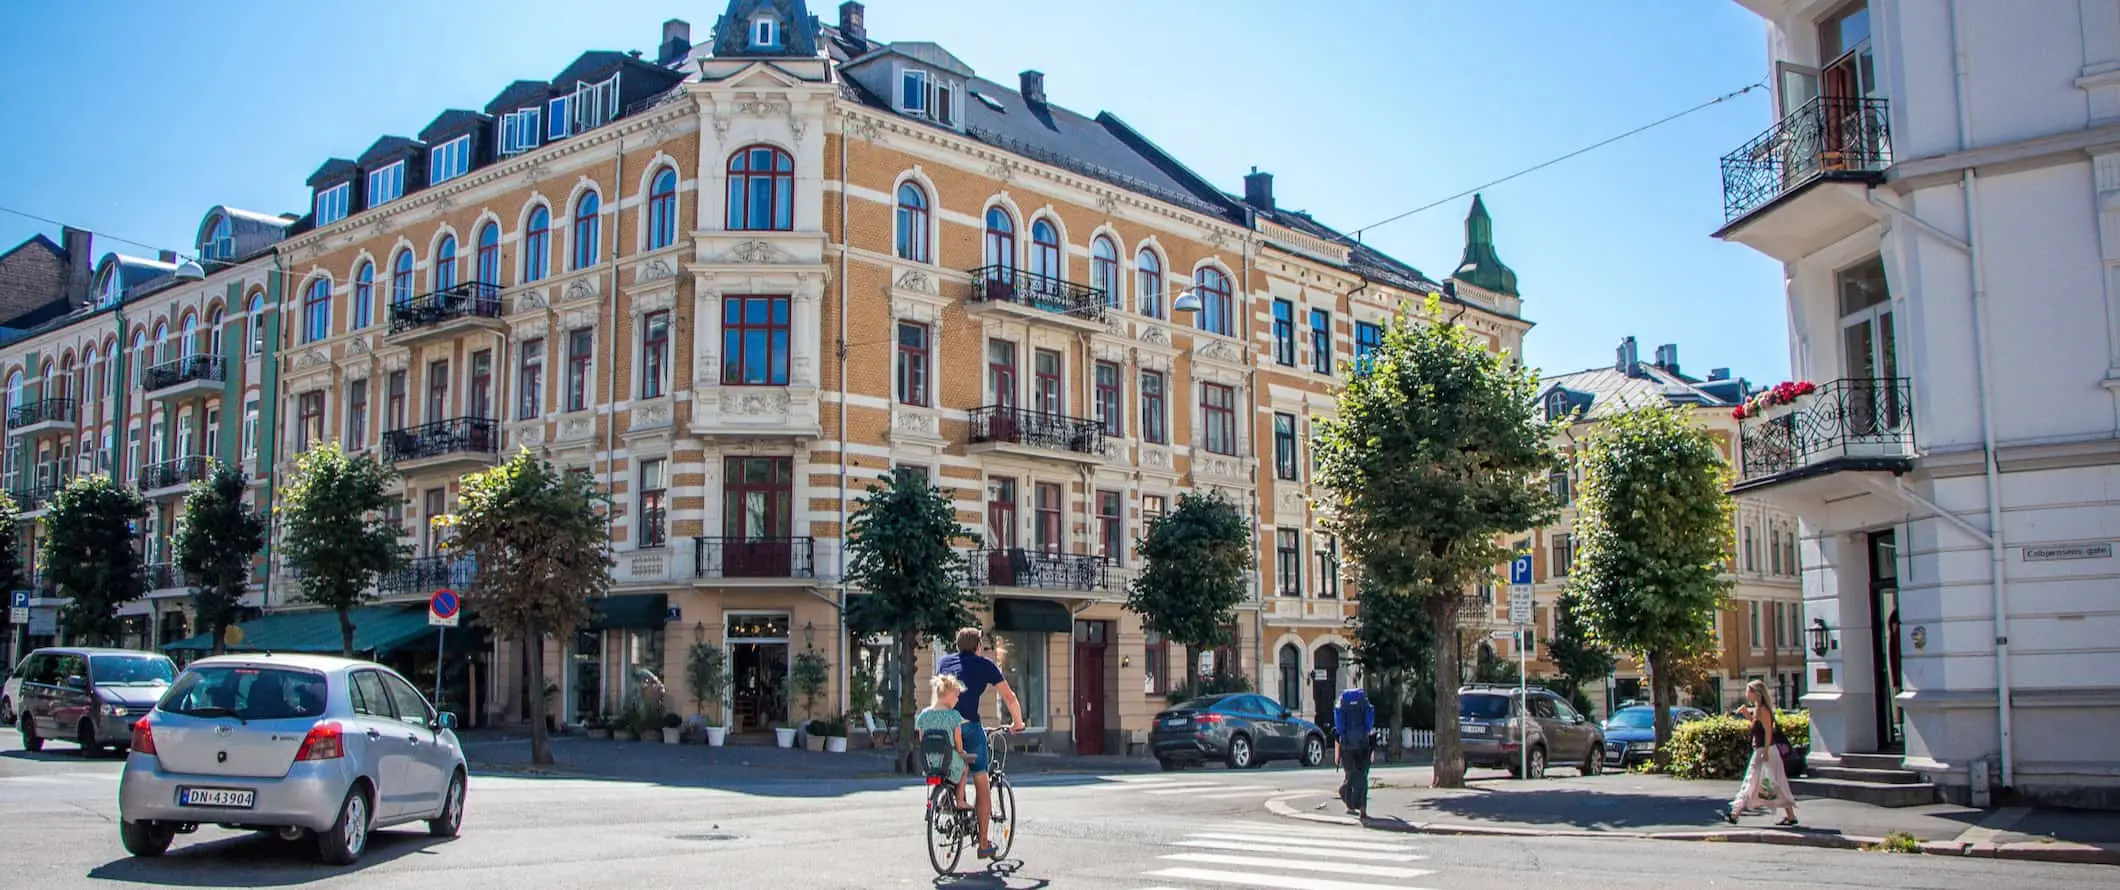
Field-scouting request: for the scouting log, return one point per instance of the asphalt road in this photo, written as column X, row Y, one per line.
column 1197, row 830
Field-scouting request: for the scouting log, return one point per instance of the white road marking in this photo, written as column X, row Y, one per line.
column 1338, row 868
column 1196, row 789
column 1168, row 786
column 1279, row 882
column 1250, row 847
column 1327, row 843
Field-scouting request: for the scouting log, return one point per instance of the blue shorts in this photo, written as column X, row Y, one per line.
column 975, row 745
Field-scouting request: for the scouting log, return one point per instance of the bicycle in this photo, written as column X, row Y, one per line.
column 950, row 828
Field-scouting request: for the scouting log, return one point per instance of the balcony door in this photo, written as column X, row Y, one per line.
column 1853, row 136
column 1868, row 355
column 758, row 495
column 1001, row 532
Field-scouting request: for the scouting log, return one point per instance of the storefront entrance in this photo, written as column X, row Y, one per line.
column 758, row 668
column 1091, row 638
column 1325, row 686
column 1884, row 641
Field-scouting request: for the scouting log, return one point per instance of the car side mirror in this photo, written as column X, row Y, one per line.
column 76, row 681
column 1286, row 713
column 446, row 720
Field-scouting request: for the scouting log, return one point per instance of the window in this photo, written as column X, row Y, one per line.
column 588, row 230
column 1321, row 341
column 912, row 364
column 1284, row 332
column 519, row 130
column 1110, row 404
column 1047, row 503
column 437, row 390
column 256, row 314
column 530, row 381
column 1148, row 283
column 913, row 92
column 364, row 296
column 190, row 346
column 213, row 435
column 758, row 496
column 1001, row 372
column 395, row 399
column 1368, row 338
column 559, row 117
column 581, row 346
column 1022, row 659
column 761, row 190
column 386, row 184
column 1288, row 561
column 1562, row 486
column 1217, row 315
column 331, row 207
column 1000, row 249
column 1104, row 269
column 1556, row 405
column 945, row 105
column 220, row 242
column 449, row 160
column 1774, row 552
column 1218, row 415
column 309, row 425
column 1284, row 446
column 482, row 384
column 445, row 264
column 1563, row 556
column 316, row 311
column 1045, row 382
column 662, row 210
column 912, row 223
column 754, row 341
column 1751, row 551
column 1045, row 250
column 765, row 33
column 250, row 430
column 1155, row 661
column 595, row 104
column 356, row 414
column 401, row 278
column 652, row 527
column 1329, row 569
column 537, row 245
column 1111, row 538
column 1153, row 411
column 654, row 354
column 489, row 256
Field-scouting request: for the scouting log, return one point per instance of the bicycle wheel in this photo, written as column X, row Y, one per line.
column 945, row 838
column 1004, row 815
column 996, row 752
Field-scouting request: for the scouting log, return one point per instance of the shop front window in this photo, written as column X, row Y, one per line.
column 586, row 685
column 1022, row 660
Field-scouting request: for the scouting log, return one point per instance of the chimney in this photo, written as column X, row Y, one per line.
column 1667, row 357
column 1718, row 374
column 676, row 42
column 167, row 256
column 80, row 263
column 1627, row 358
column 1258, row 190
column 1033, row 87
column 853, row 23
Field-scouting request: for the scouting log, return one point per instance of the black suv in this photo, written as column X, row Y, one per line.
column 1491, row 725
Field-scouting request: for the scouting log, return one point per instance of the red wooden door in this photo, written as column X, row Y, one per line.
column 1089, row 686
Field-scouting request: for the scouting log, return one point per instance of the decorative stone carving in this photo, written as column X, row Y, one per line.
column 360, row 345
column 1108, row 203
column 738, row 400
column 576, row 428
column 918, row 424
column 532, row 330
column 1219, row 351
column 531, row 434
column 754, row 252
column 1218, row 238
column 916, row 280
column 1155, row 457
column 531, row 300
column 656, row 270
column 864, row 128
column 721, row 128
column 1156, row 335
column 581, row 289
column 1001, row 171
column 648, row 568
column 314, row 358
column 651, row 415
column 796, row 126
column 761, row 108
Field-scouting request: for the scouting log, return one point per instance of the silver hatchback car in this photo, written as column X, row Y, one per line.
column 295, row 744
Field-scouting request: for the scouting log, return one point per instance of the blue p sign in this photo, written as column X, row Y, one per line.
column 20, row 599
column 1520, row 570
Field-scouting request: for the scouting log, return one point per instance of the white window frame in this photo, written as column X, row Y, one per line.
column 595, row 104
column 944, row 112
column 918, row 81
column 331, row 203
column 449, row 160
column 250, row 430
column 521, row 129
column 559, row 117
column 765, row 32
column 386, row 184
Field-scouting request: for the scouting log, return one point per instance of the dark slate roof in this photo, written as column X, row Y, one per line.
column 591, row 62
column 39, row 240
column 452, row 123
column 518, row 95
column 388, row 148
column 333, row 171
column 1368, row 261
column 924, row 52
column 799, row 30
column 253, row 232
column 1602, row 392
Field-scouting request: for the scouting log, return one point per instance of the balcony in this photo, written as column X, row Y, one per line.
column 1814, row 452
column 1036, row 569
column 1038, row 297
column 1802, row 184
column 34, row 497
column 472, row 305
column 461, row 443
column 773, row 559
column 192, row 375
column 173, row 476
column 41, row 416
column 422, row 576
column 1000, row 428
column 163, row 578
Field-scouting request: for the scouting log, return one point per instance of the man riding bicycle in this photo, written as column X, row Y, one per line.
column 977, row 672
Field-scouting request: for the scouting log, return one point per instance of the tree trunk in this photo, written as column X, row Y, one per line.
column 540, row 742
column 1192, row 670
column 346, row 633
column 1449, row 755
column 219, row 629
column 908, row 643
column 1398, row 715
column 1660, row 693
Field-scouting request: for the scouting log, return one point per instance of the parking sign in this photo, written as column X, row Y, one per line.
column 1520, row 569
column 18, row 607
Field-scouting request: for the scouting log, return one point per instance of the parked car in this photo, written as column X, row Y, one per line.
column 301, row 745
column 1630, row 733
column 1243, row 729
column 11, row 691
column 88, row 696
column 1495, row 734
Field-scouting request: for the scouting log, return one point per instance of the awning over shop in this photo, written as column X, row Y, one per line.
column 1036, row 616
column 377, row 631
column 633, row 611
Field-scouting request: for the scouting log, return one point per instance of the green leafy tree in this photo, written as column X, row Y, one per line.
column 1394, row 643
column 10, row 555
column 1435, row 452
column 1653, row 533
column 217, row 539
column 1193, row 561
column 539, row 539
column 91, row 555
column 335, row 535
column 1579, row 658
column 902, row 551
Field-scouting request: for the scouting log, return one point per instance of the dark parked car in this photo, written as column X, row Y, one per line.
column 1243, row 729
column 88, row 696
column 1495, row 735
column 1630, row 733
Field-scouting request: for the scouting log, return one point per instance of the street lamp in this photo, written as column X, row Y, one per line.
column 1188, row 301
column 190, row 270
column 1821, row 637
column 809, row 635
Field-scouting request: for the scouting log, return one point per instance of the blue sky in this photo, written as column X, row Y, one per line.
column 143, row 115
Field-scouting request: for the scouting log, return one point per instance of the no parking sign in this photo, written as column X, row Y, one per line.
column 444, row 609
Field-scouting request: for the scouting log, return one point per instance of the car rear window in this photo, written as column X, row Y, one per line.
column 1483, row 707
column 1203, row 703
column 247, row 693
column 131, row 670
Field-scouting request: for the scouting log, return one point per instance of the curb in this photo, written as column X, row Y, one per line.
column 2034, row 852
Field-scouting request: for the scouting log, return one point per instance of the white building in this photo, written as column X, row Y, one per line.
column 1955, row 469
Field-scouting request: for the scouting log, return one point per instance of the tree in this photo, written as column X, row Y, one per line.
column 539, row 539
column 10, row 556
column 336, row 537
column 901, row 547
column 216, row 541
column 1193, row 561
column 90, row 555
column 1652, row 533
column 1434, row 453
column 1578, row 658
column 1394, row 643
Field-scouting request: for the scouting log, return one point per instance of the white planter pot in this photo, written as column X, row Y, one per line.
column 784, row 737
column 835, row 744
column 716, row 735
column 671, row 736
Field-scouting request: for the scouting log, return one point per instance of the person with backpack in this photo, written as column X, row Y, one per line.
column 1354, row 722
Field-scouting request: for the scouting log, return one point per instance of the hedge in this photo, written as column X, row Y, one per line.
column 1720, row 747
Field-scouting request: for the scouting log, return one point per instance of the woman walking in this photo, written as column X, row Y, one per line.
column 1768, row 746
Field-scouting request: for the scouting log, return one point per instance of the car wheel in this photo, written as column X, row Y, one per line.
column 1240, row 752
column 85, row 736
column 451, row 819
column 347, row 839
column 146, row 839
column 30, row 740
column 1595, row 763
column 1538, row 762
column 1313, row 751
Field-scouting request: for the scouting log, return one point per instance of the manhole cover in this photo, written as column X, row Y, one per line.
column 709, row 836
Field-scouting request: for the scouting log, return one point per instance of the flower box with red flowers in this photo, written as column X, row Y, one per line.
column 1776, row 396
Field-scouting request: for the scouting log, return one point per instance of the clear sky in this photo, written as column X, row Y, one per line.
column 133, row 118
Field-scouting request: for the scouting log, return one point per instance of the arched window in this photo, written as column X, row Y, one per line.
column 1104, row 269
column 1045, row 250
column 109, row 291
column 316, row 311
column 14, row 389
column 65, row 381
column 192, row 346
column 91, row 374
column 537, row 245
column 256, row 311
column 1148, row 282
column 220, row 243
column 662, row 209
column 489, row 256
column 364, row 296
column 587, row 230
column 1000, row 239
column 401, row 278
column 165, row 349
column 1216, row 314
column 214, row 320
column 1291, row 659
column 445, row 264
column 761, row 189
column 139, row 348
column 912, row 238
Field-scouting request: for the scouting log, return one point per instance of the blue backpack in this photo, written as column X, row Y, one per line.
column 1354, row 719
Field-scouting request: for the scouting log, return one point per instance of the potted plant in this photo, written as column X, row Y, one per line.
column 784, row 736
column 673, row 728
column 807, row 680
column 706, row 673
column 835, row 734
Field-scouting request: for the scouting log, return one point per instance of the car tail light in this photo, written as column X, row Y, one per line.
column 143, row 737
column 1207, row 718
column 326, row 741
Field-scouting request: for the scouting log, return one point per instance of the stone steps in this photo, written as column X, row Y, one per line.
column 1882, row 794
column 1855, row 774
column 1873, row 761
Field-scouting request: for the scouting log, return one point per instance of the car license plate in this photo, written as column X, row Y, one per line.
column 232, row 798
column 1472, row 729
column 1176, row 721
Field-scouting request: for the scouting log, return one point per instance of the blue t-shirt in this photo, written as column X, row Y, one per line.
column 976, row 672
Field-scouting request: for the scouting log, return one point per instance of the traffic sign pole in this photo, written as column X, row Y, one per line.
column 443, row 611
column 1520, row 613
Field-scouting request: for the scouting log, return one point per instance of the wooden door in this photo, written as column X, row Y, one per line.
column 1090, row 707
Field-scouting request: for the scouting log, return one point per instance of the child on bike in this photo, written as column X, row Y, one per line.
column 941, row 714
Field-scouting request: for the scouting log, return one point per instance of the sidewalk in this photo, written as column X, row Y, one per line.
column 1658, row 807
column 578, row 756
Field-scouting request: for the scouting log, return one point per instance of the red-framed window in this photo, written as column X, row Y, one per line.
column 1155, row 659
column 754, row 340
column 654, row 354
column 1111, row 401
column 653, row 525
column 1001, row 372
column 1045, row 372
column 1148, row 283
column 395, row 403
column 356, row 414
column 588, row 230
column 1045, row 249
column 537, row 245
column 437, row 390
column 1048, row 504
column 1104, row 269
column 1218, row 415
column 581, row 351
column 662, row 209
column 1111, row 527
column 1001, row 514
column 912, row 223
column 482, row 384
column 1000, row 238
column 761, row 189
column 530, row 380
column 316, row 313
column 445, row 264
column 401, row 277
column 758, row 497
column 912, row 363
column 1155, row 411
column 1217, row 316
column 363, row 298
column 310, row 420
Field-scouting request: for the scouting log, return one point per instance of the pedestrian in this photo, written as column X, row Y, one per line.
column 1352, row 722
column 1768, row 749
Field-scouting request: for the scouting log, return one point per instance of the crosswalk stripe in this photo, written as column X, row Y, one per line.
column 1195, row 789
column 1338, row 868
column 1294, row 829
column 1167, row 786
column 1230, row 796
column 1251, row 847
column 1301, row 841
column 1280, row 882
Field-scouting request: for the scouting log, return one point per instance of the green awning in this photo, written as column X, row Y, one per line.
column 377, row 631
column 1036, row 616
column 633, row 611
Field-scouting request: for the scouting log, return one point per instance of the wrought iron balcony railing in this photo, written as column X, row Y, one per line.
column 424, row 575
column 172, row 473
column 1829, row 136
column 34, row 496
column 1018, row 426
column 185, row 370
column 1851, row 418
column 457, row 435
column 1018, row 567
column 1004, row 284
column 41, row 411
column 471, row 299
column 737, row 557
column 162, row 575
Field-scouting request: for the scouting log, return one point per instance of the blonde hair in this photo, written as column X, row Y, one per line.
column 940, row 684
column 1758, row 688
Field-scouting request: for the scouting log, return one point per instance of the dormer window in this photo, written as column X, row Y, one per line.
column 220, row 243
column 914, row 96
column 765, row 33
column 519, row 130
column 559, row 118
column 449, row 160
column 386, row 184
column 332, row 202
column 108, row 292
column 1556, row 405
column 925, row 96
